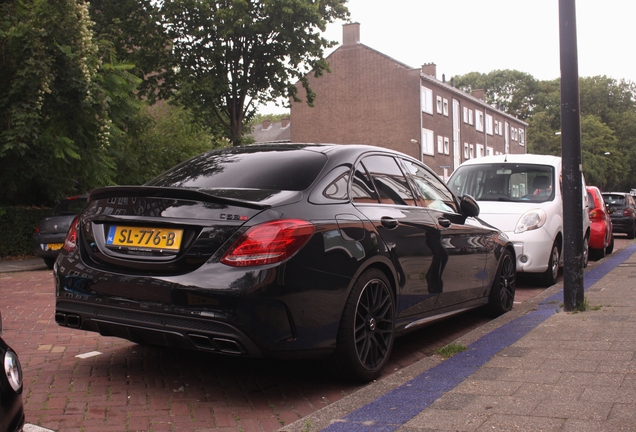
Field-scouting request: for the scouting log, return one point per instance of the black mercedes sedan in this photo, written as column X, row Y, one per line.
column 11, row 408
column 282, row 250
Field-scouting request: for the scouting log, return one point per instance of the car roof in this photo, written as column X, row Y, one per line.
column 325, row 148
column 516, row 158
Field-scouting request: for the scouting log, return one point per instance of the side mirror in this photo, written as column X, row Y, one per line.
column 469, row 206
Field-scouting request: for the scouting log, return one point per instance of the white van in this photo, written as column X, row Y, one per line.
column 522, row 196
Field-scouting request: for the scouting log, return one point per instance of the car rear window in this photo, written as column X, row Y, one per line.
column 292, row 170
column 614, row 199
column 70, row 207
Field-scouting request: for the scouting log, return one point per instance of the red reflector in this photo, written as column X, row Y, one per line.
column 70, row 243
column 626, row 212
column 269, row 243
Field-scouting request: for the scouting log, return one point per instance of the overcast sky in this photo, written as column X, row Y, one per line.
column 462, row 36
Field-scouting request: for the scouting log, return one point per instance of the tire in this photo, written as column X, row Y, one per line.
column 502, row 293
column 367, row 329
column 551, row 274
column 597, row 254
column 49, row 262
column 586, row 251
column 610, row 247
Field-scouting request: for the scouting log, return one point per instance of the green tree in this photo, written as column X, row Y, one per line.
column 167, row 136
column 54, row 123
column 233, row 55
column 510, row 90
column 132, row 30
column 603, row 161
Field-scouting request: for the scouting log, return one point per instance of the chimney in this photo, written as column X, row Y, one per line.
column 351, row 33
column 284, row 122
column 479, row 94
column 430, row 69
column 266, row 124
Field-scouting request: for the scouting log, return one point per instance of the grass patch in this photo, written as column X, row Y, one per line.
column 585, row 306
column 450, row 350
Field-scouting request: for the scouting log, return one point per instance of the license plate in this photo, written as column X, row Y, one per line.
column 53, row 246
column 144, row 238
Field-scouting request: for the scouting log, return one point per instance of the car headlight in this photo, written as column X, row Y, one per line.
column 13, row 370
column 531, row 220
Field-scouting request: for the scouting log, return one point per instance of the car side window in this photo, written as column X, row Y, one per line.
column 388, row 180
column 433, row 192
column 362, row 190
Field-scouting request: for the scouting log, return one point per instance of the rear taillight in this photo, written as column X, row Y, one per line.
column 597, row 214
column 626, row 212
column 269, row 243
column 70, row 243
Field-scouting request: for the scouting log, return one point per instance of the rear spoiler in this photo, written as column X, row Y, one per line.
column 171, row 193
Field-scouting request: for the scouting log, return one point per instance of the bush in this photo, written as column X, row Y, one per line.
column 17, row 226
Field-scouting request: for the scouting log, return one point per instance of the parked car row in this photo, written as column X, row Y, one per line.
column 301, row 250
column 522, row 196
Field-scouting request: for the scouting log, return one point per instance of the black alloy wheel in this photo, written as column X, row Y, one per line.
column 367, row 329
column 502, row 293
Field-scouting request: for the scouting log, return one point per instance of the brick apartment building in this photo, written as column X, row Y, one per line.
column 371, row 98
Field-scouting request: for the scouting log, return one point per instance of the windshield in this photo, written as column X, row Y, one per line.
column 504, row 182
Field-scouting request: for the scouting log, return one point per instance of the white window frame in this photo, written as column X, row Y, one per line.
column 497, row 127
column 489, row 128
column 522, row 137
column 490, row 151
column 440, row 144
column 472, row 151
column 465, row 115
column 428, row 144
column 445, row 107
column 466, row 151
column 470, row 117
column 446, row 145
column 479, row 150
column 479, row 120
column 439, row 104
column 426, row 95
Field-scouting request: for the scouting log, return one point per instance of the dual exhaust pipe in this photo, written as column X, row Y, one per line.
column 68, row 320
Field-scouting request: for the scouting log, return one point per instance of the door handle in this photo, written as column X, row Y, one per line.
column 444, row 222
column 389, row 222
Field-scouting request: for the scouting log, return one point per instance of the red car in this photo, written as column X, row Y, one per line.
column 601, row 228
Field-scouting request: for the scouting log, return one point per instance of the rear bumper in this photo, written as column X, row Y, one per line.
column 623, row 225
column 598, row 235
column 151, row 328
column 40, row 243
